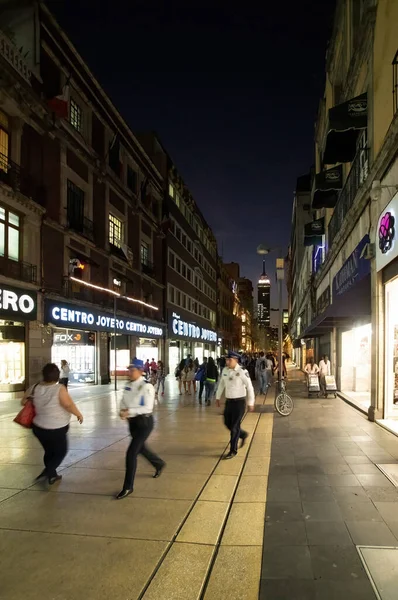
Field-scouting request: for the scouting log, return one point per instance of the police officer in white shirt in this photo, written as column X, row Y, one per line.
column 236, row 383
column 137, row 406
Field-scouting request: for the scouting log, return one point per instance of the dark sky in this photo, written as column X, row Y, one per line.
column 232, row 90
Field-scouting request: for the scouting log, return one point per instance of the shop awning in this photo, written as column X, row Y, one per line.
column 313, row 232
column 345, row 122
column 327, row 186
column 353, row 307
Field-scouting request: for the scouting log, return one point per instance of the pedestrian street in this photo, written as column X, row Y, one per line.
column 294, row 515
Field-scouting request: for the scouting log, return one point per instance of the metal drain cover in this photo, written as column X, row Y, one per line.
column 381, row 566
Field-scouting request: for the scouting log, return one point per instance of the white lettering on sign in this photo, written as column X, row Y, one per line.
column 12, row 302
column 102, row 321
column 184, row 329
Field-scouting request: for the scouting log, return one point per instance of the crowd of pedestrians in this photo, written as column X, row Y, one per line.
column 51, row 406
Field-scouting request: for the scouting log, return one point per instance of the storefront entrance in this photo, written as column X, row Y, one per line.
column 12, row 356
column 147, row 350
column 391, row 349
column 355, row 368
column 78, row 349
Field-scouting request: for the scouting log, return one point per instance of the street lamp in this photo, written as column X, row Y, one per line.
column 280, row 275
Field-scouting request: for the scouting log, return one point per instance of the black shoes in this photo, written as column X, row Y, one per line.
column 41, row 476
column 123, row 494
column 52, row 480
column 243, row 439
column 230, row 455
column 158, row 471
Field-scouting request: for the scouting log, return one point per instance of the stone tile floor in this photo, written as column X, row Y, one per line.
column 282, row 520
column 325, row 496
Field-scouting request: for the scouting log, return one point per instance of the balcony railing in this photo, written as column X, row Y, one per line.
column 10, row 172
column 356, row 177
column 84, row 226
column 17, row 269
column 21, row 181
column 12, row 55
column 147, row 267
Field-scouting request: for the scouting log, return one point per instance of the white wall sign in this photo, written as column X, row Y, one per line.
column 184, row 329
column 19, row 303
column 62, row 315
column 387, row 234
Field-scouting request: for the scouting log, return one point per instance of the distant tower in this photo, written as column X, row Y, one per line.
column 264, row 299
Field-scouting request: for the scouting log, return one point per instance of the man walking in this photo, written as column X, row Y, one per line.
column 137, row 406
column 236, row 383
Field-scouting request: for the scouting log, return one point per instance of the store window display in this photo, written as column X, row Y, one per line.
column 12, row 356
column 391, row 349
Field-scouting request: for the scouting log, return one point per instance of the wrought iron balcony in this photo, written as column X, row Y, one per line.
column 17, row 269
column 10, row 172
column 356, row 177
column 12, row 55
column 147, row 267
column 84, row 226
column 21, row 181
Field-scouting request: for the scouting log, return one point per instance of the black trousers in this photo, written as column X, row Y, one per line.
column 64, row 381
column 140, row 429
column 201, row 386
column 233, row 415
column 55, row 445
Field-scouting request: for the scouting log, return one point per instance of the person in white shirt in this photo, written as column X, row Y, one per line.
column 137, row 406
column 236, row 383
column 64, row 375
column 324, row 370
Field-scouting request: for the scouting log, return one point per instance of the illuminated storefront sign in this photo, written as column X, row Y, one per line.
column 70, row 315
column 18, row 304
column 184, row 329
column 386, row 240
column 355, row 268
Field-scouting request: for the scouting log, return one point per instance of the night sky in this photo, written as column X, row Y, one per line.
column 232, row 89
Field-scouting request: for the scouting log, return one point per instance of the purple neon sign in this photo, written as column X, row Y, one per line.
column 386, row 232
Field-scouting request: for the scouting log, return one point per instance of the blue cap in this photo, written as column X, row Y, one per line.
column 136, row 363
column 233, row 355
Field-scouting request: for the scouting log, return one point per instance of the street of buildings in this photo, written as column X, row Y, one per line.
column 105, row 255
column 342, row 274
column 289, row 517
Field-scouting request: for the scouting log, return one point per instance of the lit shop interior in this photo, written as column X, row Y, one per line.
column 78, row 348
column 355, row 368
column 12, row 356
column 179, row 350
column 146, row 349
column 391, row 349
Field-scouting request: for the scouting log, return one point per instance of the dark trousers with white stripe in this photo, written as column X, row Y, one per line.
column 140, row 429
column 233, row 414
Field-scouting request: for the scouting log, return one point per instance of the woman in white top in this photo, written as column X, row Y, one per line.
column 53, row 407
column 188, row 376
column 311, row 367
column 64, row 376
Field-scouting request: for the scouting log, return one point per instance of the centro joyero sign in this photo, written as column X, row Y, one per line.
column 191, row 330
column 18, row 304
column 71, row 316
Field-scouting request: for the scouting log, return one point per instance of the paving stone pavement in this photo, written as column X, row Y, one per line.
column 325, row 496
column 281, row 520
